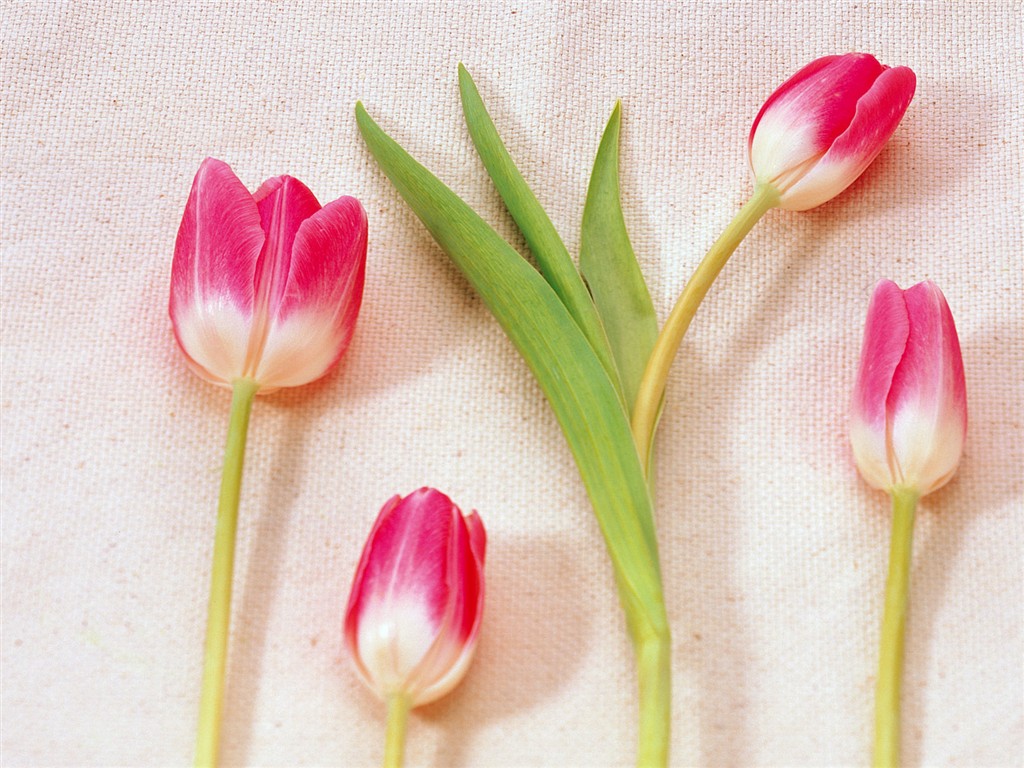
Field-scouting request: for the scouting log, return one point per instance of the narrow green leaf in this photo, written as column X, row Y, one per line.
column 577, row 386
column 611, row 270
column 541, row 236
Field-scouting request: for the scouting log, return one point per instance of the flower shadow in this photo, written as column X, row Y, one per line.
column 525, row 655
column 987, row 481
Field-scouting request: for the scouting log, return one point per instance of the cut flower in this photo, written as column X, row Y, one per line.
column 909, row 411
column 266, row 286
column 414, row 613
column 822, row 128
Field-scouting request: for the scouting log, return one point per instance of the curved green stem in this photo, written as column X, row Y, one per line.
column 652, row 386
column 890, row 660
column 394, row 746
column 219, row 612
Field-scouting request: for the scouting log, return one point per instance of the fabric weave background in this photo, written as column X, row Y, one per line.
column 773, row 550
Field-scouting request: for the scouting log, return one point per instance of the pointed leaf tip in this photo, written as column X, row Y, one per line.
column 610, row 267
column 543, row 240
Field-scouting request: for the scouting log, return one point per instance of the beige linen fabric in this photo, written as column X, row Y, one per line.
column 773, row 550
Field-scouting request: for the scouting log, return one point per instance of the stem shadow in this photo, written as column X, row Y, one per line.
column 265, row 533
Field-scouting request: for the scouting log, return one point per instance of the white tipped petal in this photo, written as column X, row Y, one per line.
column 394, row 636
column 452, row 676
column 822, row 181
column 299, row 350
column 870, row 453
column 927, row 445
column 214, row 338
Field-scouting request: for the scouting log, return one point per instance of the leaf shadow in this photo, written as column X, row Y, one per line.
column 697, row 531
column 704, row 524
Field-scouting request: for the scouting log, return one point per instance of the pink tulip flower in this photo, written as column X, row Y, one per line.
column 909, row 414
column 821, row 128
column 414, row 612
column 265, row 286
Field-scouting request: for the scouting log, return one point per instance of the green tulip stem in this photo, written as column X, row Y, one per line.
column 394, row 745
column 652, row 386
column 219, row 611
column 890, row 660
column 654, row 672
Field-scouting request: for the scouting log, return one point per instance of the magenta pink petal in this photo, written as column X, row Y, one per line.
column 462, row 579
column 885, row 339
column 306, row 322
column 930, row 376
column 409, row 551
column 328, row 260
column 787, row 88
column 879, row 112
column 824, row 96
column 218, row 243
column 360, row 593
column 477, row 537
column 461, row 618
column 284, row 204
column 473, row 586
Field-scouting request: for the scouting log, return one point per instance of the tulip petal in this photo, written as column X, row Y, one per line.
column 413, row 546
column 316, row 316
column 927, row 407
column 805, row 114
column 399, row 598
column 878, row 113
column 215, row 256
column 457, row 659
column 356, row 597
column 219, row 240
column 328, row 259
column 463, row 581
column 885, row 339
column 447, row 661
column 477, row 537
column 284, row 204
column 456, row 643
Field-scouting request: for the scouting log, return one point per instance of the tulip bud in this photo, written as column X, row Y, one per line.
column 417, row 599
column 909, row 413
column 821, row 128
column 265, row 286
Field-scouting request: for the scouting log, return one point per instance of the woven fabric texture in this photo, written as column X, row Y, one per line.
column 774, row 551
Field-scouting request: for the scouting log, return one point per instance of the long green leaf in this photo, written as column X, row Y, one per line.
column 611, row 270
column 577, row 386
column 541, row 236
